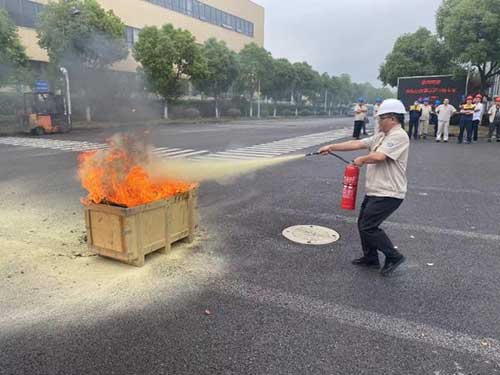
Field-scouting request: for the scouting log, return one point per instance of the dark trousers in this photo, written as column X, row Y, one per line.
column 494, row 126
column 475, row 129
column 413, row 127
column 374, row 210
column 465, row 124
column 364, row 127
column 358, row 125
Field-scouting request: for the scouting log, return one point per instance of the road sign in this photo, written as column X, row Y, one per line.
column 41, row 86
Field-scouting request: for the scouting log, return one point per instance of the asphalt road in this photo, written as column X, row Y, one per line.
column 243, row 299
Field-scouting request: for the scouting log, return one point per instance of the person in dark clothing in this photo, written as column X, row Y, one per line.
column 466, row 112
column 415, row 113
column 385, row 184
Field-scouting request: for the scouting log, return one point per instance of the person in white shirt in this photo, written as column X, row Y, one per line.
column 477, row 116
column 424, row 119
column 360, row 112
column 444, row 112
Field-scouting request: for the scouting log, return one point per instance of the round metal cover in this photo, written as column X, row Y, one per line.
column 311, row 235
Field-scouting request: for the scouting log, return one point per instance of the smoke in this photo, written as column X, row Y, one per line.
column 221, row 171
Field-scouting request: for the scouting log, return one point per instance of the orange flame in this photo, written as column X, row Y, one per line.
column 119, row 175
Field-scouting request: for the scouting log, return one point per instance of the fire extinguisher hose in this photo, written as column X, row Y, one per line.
column 332, row 154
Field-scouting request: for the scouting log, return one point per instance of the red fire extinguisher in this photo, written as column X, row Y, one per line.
column 350, row 190
column 351, row 178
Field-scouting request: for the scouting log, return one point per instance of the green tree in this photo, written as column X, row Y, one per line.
column 81, row 32
column 14, row 63
column 415, row 54
column 86, row 39
column 471, row 30
column 279, row 86
column 168, row 56
column 222, row 70
column 256, row 66
column 305, row 81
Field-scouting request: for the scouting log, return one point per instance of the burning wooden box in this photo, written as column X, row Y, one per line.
column 129, row 234
column 131, row 211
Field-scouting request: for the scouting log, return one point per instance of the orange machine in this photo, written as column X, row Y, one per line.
column 44, row 113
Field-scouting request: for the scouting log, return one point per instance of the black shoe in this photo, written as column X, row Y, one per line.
column 391, row 265
column 437, row 140
column 366, row 263
column 445, row 141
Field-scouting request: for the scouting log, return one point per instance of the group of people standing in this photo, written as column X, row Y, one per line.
column 422, row 114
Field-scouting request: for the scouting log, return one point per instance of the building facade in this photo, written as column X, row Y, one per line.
column 237, row 22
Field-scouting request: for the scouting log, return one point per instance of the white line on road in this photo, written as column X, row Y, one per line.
column 189, row 154
column 391, row 326
column 249, row 154
column 169, row 154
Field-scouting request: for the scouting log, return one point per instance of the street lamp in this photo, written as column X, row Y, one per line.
column 64, row 71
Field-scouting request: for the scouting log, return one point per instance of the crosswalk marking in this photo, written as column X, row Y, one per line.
column 246, row 155
column 190, row 154
column 172, row 153
column 276, row 148
column 164, row 150
column 260, row 151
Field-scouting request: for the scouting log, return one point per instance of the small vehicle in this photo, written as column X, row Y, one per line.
column 44, row 113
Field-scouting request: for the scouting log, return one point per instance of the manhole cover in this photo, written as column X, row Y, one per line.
column 311, row 235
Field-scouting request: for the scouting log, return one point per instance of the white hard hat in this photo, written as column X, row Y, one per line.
column 391, row 106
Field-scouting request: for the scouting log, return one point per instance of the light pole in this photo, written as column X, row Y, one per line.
column 64, row 71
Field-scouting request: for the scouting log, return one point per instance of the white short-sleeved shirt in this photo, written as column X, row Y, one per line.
column 362, row 115
column 478, row 112
column 388, row 178
column 426, row 112
column 445, row 112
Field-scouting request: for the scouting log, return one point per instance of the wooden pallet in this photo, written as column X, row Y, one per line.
column 129, row 234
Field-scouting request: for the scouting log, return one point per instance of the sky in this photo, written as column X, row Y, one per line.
column 342, row 36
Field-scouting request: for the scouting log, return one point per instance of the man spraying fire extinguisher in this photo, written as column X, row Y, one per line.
column 385, row 185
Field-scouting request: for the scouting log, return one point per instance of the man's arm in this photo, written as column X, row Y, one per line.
column 371, row 158
column 344, row 146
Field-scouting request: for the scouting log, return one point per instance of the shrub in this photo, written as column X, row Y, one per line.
column 305, row 112
column 288, row 112
column 191, row 113
column 233, row 112
column 264, row 113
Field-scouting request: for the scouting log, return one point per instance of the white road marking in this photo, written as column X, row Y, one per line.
column 261, row 151
column 485, row 347
column 189, row 154
column 172, row 153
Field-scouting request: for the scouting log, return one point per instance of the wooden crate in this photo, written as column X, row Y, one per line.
column 128, row 234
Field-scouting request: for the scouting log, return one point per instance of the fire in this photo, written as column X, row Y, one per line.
column 119, row 175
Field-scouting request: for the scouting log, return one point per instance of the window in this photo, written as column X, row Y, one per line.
column 129, row 36
column 196, row 9
column 30, row 13
column 13, row 7
column 207, row 13
column 218, row 17
column 136, row 34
